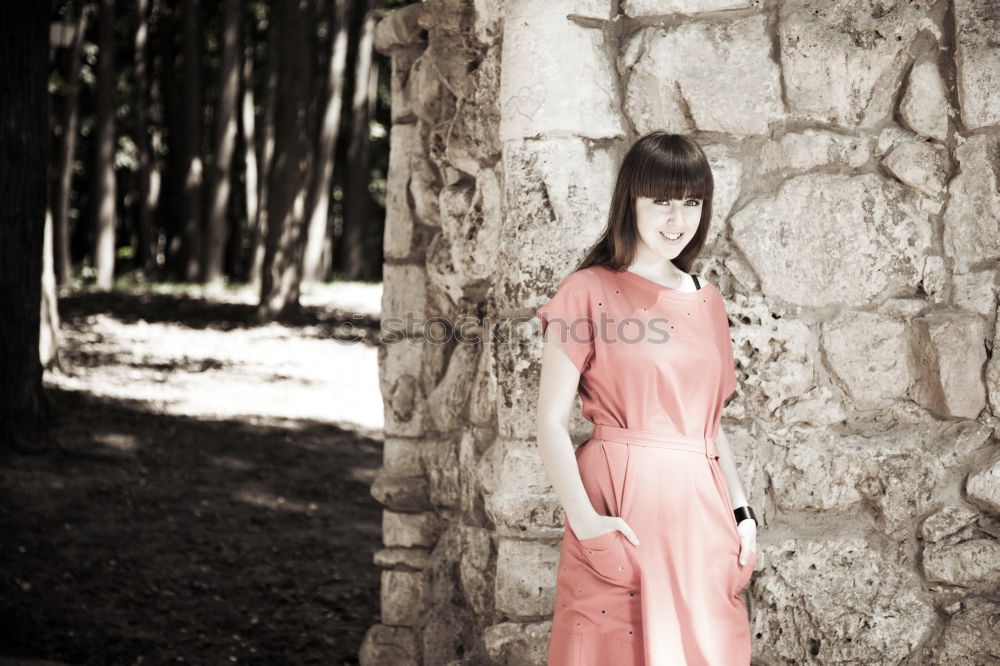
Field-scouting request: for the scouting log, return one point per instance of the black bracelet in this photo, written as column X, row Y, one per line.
column 744, row 512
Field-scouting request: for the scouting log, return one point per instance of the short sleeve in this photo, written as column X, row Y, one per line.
column 569, row 310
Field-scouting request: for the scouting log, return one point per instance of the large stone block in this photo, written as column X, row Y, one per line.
column 526, row 577
column 401, row 456
column 449, row 399
column 425, row 182
column 475, row 442
column 402, row 598
column 401, row 64
column 880, row 232
column 977, row 292
column 924, row 107
column 524, row 503
column 921, row 165
column 971, row 635
column 517, row 350
column 951, row 354
column 410, row 529
column 443, row 472
column 451, row 48
column 476, row 569
column 489, row 21
column 384, row 645
column 557, row 75
column 971, row 564
column 838, row 601
column 399, row 30
column 483, row 389
column 473, row 140
column 983, row 486
column 433, row 100
column 810, row 148
column 471, row 217
column 401, row 379
column 676, row 78
column 727, row 172
column 841, row 61
column 972, row 218
column 895, row 474
column 448, row 632
column 557, row 194
column 977, row 24
column 870, row 354
column 518, row 644
column 404, row 292
column 405, row 559
column 948, row 523
column 401, row 492
column 397, row 241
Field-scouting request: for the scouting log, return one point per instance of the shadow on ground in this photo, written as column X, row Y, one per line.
column 161, row 539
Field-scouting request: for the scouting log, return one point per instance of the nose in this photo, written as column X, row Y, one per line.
column 676, row 214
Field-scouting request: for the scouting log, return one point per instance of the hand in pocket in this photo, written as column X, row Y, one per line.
column 596, row 525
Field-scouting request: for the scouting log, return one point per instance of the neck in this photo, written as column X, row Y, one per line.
column 662, row 270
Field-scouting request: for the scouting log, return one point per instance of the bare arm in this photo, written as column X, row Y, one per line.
column 556, row 391
column 747, row 527
column 736, row 494
column 566, row 354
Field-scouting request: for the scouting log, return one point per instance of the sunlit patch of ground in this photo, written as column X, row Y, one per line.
column 179, row 361
column 209, row 502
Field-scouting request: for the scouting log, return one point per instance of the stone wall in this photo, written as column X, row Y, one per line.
column 856, row 150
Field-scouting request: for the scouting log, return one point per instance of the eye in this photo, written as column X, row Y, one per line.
column 696, row 202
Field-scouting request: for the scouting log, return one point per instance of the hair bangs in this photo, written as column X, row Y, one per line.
column 674, row 176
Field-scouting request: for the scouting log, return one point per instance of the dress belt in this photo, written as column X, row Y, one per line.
column 693, row 444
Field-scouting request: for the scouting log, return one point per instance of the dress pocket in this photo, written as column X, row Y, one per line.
column 606, row 555
column 600, row 542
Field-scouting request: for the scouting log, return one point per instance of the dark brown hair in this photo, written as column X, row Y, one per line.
column 660, row 166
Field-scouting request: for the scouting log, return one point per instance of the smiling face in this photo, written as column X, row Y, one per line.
column 665, row 226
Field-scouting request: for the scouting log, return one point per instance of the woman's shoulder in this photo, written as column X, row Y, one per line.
column 590, row 276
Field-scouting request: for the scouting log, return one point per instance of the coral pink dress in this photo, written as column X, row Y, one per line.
column 656, row 367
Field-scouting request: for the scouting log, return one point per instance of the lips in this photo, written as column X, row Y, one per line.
column 672, row 237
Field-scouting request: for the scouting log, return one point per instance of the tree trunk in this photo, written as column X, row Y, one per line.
column 248, row 125
column 266, row 134
column 356, row 198
column 145, row 255
column 67, row 147
column 316, row 260
column 288, row 177
column 157, row 240
column 191, row 139
column 170, row 207
column 104, row 168
column 225, row 134
column 48, row 331
column 24, row 44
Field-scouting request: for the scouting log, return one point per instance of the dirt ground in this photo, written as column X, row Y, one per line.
column 207, row 500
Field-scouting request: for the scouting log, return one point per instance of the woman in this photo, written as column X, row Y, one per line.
column 654, row 556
